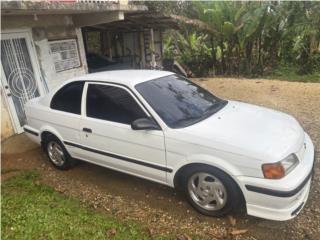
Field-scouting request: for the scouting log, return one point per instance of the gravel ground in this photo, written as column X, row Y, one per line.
column 160, row 209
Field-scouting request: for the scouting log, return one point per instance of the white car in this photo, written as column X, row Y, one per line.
column 162, row 127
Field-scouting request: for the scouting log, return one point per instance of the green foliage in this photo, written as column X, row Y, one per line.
column 31, row 210
column 228, row 29
column 196, row 53
column 249, row 38
column 287, row 72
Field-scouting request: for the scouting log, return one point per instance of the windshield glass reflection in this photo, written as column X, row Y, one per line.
column 178, row 101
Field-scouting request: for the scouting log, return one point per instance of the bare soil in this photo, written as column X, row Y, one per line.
column 160, row 209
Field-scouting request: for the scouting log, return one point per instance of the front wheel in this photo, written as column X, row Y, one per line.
column 211, row 191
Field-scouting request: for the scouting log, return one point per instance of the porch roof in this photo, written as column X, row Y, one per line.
column 135, row 21
column 82, row 13
column 58, row 7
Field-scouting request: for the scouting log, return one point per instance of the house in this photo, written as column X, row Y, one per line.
column 44, row 43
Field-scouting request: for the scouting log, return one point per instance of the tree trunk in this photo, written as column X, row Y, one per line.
column 260, row 66
column 214, row 57
column 223, row 63
column 248, row 57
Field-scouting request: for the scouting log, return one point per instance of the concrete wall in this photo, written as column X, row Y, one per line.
column 45, row 28
column 6, row 125
column 41, row 37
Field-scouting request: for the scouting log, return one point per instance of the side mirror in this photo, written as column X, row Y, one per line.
column 144, row 124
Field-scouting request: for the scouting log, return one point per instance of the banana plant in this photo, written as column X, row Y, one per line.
column 250, row 37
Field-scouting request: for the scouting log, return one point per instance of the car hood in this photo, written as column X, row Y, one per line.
column 249, row 130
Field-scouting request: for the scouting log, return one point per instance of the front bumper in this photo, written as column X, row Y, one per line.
column 280, row 199
column 285, row 207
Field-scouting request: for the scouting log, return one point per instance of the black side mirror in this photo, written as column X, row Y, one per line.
column 144, row 124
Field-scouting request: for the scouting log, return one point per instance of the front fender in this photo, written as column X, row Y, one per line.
column 207, row 160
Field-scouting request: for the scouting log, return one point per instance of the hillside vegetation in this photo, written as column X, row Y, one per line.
column 251, row 39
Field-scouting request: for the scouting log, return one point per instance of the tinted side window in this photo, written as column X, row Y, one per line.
column 68, row 98
column 112, row 104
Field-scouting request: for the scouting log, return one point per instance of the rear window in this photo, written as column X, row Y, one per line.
column 68, row 98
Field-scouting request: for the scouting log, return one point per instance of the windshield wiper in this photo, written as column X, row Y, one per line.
column 192, row 120
column 212, row 110
column 186, row 121
column 215, row 107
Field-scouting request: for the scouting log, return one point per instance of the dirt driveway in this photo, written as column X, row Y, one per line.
column 159, row 208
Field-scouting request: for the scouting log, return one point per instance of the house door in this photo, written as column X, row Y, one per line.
column 20, row 76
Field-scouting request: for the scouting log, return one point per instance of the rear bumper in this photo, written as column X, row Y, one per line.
column 280, row 199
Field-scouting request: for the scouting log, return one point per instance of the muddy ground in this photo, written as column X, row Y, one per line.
column 160, row 209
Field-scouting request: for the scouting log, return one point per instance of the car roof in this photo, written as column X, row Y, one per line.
column 125, row 77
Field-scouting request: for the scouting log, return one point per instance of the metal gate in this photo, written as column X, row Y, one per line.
column 20, row 74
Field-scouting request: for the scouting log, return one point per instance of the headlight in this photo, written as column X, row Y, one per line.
column 280, row 169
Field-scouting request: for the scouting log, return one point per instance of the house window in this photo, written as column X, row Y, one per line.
column 65, row 54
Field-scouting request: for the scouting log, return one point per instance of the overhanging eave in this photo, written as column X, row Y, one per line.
column 48, row 8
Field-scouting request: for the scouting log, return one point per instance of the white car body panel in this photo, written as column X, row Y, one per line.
column 238, row 139
column 120, row 139
column 246, row 129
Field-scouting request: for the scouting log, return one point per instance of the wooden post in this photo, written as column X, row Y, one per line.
column 161, row 48
column 85, row 40
column 133, row 51
column 122, row 44
column 109, row 45
column 152, row 48
column 102, row 43
column 142, row 54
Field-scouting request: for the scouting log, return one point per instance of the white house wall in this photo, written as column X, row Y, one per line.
column 41, row 41
column 44, row 30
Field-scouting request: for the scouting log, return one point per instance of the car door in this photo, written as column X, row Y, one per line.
column 64, row 116
column 107, row 137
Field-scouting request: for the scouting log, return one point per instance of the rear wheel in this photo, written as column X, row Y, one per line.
column 57, row 154
column 211, row 191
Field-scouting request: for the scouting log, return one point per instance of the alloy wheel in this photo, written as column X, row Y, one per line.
column 207, row 191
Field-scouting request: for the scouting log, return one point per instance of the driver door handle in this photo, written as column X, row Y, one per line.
column 88, row 130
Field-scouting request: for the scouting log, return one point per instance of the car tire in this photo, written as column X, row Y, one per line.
column 57, row 153
column 211, row 191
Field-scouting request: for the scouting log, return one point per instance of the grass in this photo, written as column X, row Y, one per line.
column 288, row 73
column 31, row 210
column 282, row 73
column 292, row 77
column 8, row 170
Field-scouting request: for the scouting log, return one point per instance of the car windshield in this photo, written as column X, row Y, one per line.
column 178, row 101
